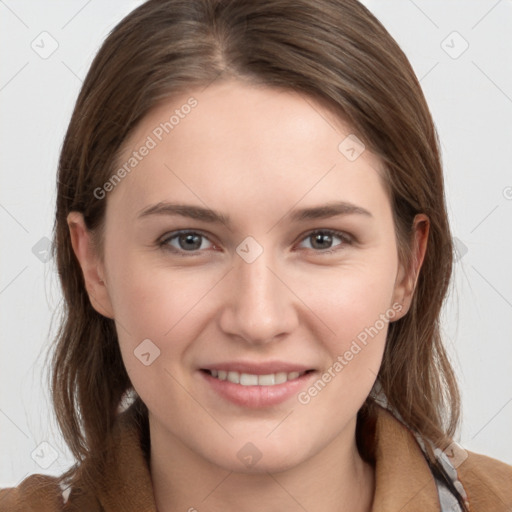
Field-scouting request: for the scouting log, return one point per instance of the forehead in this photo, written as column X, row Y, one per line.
column 239, row 142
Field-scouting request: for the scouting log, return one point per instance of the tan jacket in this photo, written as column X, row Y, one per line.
column 404, row 482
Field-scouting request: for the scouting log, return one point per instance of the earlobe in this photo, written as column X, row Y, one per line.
column 407, row 279
column 90, row 264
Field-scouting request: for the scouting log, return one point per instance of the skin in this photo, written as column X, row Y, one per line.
column 255, row 154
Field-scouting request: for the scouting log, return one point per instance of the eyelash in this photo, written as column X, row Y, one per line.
column 344, row 237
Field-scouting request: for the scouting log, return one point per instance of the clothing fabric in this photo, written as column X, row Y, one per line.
column 403, row 479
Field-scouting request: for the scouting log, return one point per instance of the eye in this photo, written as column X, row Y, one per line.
column 184, row 242
column 190, row 243
column 322, row 239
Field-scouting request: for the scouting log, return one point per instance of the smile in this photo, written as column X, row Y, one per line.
column 249, row 379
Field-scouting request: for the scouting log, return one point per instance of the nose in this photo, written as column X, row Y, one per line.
column 259, row 305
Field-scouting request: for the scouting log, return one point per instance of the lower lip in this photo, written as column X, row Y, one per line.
column 257, row 396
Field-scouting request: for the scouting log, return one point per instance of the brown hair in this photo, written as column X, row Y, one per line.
column 334, row 51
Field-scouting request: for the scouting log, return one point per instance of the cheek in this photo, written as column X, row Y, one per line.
column 350, row 297
column 357, row 312
column 149, row 312
column 160, row 304
column 354, row 302
column 149, row 295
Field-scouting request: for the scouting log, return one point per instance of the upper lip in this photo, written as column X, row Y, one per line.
column 258, row 368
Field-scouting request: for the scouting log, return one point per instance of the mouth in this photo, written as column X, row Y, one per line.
column 252, row 379
column 256, row 385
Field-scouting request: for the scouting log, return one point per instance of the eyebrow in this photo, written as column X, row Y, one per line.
column 333, row 209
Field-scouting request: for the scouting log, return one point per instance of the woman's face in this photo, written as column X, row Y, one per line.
column 296, row 271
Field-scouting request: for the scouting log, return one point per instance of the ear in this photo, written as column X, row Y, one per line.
column 406, row 280
column 90, row 262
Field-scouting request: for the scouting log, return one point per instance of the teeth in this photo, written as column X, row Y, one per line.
column 249, row 379
column 281, row 377
column 266, row 380
column 246, row 379
column 234, row 377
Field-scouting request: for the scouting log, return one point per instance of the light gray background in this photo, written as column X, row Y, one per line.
column 470, row 95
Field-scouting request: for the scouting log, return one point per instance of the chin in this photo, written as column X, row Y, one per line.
column 268, row 464
column 258, row 457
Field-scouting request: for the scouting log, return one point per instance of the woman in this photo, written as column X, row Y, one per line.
column 253, row 246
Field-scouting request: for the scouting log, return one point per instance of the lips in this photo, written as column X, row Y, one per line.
column 256, row 385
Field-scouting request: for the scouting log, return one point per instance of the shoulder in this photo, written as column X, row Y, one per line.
column 487, row 482
column 36, row 492
column 43, row 493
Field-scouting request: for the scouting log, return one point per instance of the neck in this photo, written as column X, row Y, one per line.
column 333, row 480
